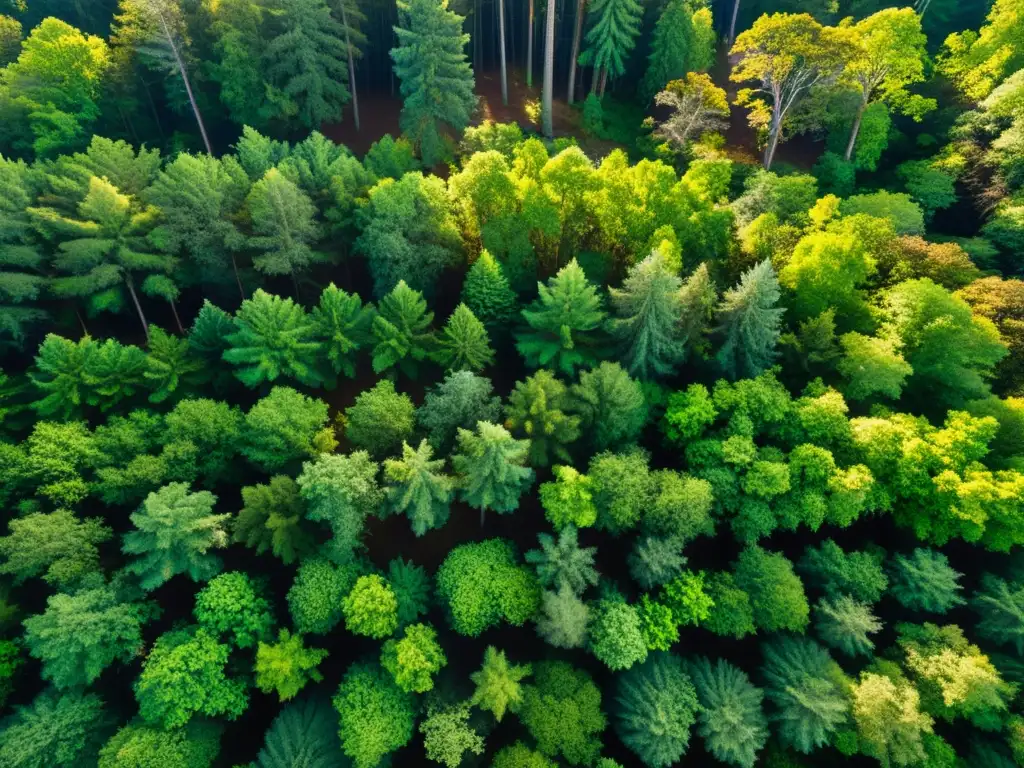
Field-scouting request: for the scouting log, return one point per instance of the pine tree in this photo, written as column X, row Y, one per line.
column 563, row 618
column 493, row 466
column 731, row 721
column 750, row 323
column 537, row 410
column 104, row 249
column 649, row 311
column 1001, row 607
column 417, row 487
column 487, row 293
column 498, row 683
column 271, row 518
column 308, row 60
column 683, row 42
column 925, row 581
column 199, row 198
column 342, row 325
column 171, row 368
column 174, row 531
column 698, row 296
column 461, row 400
column 284, row 221
column 844, row 624
column 611, row 405
column 656, row 560
column 562, row 562
column 273, row 337
column 402, row 331
column 655, row 707
column 304, row 733
column 22, row 278
column 562, row 323
column 464, row 342
column 804, row 685
column 614, row 27
column 436, row 79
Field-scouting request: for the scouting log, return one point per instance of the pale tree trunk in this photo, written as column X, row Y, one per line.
column 138, row 307
column 604, row 82
column 351, row 66
column 529, row 47
column 855, row 129
column 773, row 143
column 731, row 38
column 501, row 49
column 549, row 71
column 238, row 277
column 595, row 80
column 577, row 33
column 177, row 319
column 188, row 85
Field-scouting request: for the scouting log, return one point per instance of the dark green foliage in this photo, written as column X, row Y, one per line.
column 315, row 598
column 58, row 546
column 282, row 428
column 80, row 635
column 211, row 429
column 731, row 720
column 562, row 323
column 409, row 233
column 274, row 338
column 615, row 634
column 612, row 35
column 174, row 531
column 655, row 706
column 375, row 717
column 183, row 676
column 464, row 343
column 491, row 465
column 231, row 604
column 857, row 574
column 924, row 581
column 562, row 618
column 562, row 562
column 412, row 588
column 389, row 157
column 138, row 745
column 57, row 730
column 611, row 405
column 845, row 624
column 341, row 324
column 483, row 584
column 418, row 487
column 271, row 519
column 436, row 80
column 731, row 613
column 487, row 293
column 380, row 420
column 562, row 711
column 806, row 688
column 776, row 593
column 999, row 605
column 750, row 323
column 402, row 331
column 459, row 401
column 305, row 733
column 537, row 410
column 655, row 560
column 306, row 59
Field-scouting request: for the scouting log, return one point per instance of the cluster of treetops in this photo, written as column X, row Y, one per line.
column 711, row 353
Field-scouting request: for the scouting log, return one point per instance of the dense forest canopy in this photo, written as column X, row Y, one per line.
column 512, row 384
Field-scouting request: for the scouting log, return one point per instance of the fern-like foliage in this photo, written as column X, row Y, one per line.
column 731, row 721
column 304, row 735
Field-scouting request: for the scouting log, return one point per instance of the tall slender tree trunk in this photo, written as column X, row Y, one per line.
column 595, row 79
column 549, row 71
column 529, row 45
column 855, row 129
column 188, row 85
column 351, row 65
column 238, row 276
column 773, row 144
column 177, row 319
column 152, row 108
column 501, row 50
column 81, row 321
column 577, row 34
column 604, row 82
column 138, row 306
column 731, row 38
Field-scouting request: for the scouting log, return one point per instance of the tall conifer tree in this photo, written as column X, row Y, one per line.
column 437, row 81
column 750, row 323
